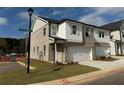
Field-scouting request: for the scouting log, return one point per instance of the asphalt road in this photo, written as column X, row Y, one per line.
column 115, row 79
column 10, row 66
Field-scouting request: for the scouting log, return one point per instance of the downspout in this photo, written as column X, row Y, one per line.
column 121, row 41
column 55, row 49
column 83, row 36
column 49, row 29
column 115, row 44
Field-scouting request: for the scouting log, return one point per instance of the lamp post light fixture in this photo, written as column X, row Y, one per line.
column 30, row 12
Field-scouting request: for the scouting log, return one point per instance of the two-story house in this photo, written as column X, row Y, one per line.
column 67, row 40
column 116, row 37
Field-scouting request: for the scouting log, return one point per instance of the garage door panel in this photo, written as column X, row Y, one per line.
column 79, row 53
column 101, row 51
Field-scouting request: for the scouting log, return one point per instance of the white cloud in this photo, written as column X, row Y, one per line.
column 56, row 12
column 3, row 21
column 93, row 19
column 23, row 15
column 97, row 16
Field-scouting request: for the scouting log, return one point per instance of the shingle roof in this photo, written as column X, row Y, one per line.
column 65, row 19
column 113, row 26
column 82, row 23
column 50, row 20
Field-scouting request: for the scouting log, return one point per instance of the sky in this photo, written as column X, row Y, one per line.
column 14, row 18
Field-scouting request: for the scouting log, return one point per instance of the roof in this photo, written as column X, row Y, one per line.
column 50, row 20
column 65, row 19
column 58, row 38
column 82, row 23
column 113, row 26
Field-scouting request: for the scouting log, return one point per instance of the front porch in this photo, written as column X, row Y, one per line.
column 57, row 51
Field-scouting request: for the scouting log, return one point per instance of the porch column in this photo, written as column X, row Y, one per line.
column 55, row 52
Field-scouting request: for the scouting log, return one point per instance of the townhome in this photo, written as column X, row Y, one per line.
column 116, row 37
column 67, row 40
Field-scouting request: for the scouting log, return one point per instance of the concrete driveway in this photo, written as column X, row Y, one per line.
column 105, row 64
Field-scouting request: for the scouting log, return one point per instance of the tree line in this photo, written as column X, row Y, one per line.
column 12, row 45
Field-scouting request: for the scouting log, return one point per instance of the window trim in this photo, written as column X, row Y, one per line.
column 101, row 34
column 52, row 31
column 74, row 30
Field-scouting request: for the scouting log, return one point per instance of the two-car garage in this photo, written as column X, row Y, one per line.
column 79, row 53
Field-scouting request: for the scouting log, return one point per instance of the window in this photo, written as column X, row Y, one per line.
column 37, row 50
column 54, row 30
column 33, row 50
column 101, row 34
column 87, row 31
column 44, row 49
column 74, row 28
column 111, row 37
column 44, row 31
column 87, row 34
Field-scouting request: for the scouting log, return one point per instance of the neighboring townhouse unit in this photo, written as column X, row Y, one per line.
column 67, row 40
column 116, row 37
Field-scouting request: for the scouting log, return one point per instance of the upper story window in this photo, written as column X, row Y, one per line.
column 87, row 30
column 44, row 31
column 111, row 37
column 74, row 29
column 101, row 34
column 54, row 30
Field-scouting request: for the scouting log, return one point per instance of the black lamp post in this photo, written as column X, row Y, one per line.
column 30, row 12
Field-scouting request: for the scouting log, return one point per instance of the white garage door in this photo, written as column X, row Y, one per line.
column 123, row 49
column 102, row 51
column 79, row 53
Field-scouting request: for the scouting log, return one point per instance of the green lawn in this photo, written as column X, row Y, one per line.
column 44, row 71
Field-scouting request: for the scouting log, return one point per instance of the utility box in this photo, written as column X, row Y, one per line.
column 13, row 57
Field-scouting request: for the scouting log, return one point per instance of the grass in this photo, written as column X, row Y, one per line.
column 44, row 72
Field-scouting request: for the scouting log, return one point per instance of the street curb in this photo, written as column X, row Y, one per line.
column 84, row 78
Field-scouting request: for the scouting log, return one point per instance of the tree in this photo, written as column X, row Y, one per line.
column 3, row 45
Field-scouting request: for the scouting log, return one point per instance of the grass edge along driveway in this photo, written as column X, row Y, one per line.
column 44, row 71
